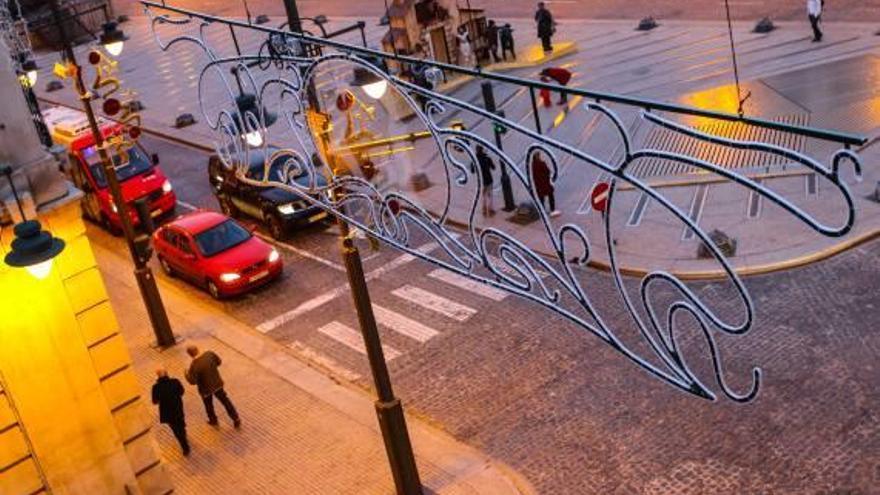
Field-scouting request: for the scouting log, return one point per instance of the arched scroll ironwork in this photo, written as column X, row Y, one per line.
column 280, row 80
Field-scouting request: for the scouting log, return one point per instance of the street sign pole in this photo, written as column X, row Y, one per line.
column 506, row 188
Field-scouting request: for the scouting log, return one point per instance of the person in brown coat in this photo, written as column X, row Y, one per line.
column 204, row 374
column 543, row 185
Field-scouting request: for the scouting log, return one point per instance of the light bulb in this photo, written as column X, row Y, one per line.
column 40, row 270
column 254, row 138
column 32, row 77
column 376, row 89
column 114, row 48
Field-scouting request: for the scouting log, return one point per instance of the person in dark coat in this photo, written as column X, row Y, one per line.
column 543, row 185
column 546, row 26
column 168, row 395
column 505, row 35
column 560, row 76
column 486, row 166
column 492, row 38
column 203, row 372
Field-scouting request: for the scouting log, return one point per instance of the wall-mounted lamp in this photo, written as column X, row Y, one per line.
column 33, row 248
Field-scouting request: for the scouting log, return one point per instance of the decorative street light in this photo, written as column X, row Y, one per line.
column 246, row 104
column 372, row 84
column 112, row 38
column 29, row 69
column 33, row 247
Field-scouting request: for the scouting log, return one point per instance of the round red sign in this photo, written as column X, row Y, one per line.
column 599, row 196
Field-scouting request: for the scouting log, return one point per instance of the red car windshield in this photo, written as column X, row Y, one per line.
column 221, row 237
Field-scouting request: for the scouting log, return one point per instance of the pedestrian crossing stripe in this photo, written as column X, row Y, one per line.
column 434, row 302
column 467, row 284
column 403, row 325
column 352, row 339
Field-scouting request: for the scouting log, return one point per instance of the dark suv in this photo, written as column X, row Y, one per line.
column 279, row 210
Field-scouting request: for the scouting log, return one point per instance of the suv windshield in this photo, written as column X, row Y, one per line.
column 221, row 237
column 137, row 164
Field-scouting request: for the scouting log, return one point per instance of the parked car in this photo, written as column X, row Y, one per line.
column 215, row 252
column 279, row 210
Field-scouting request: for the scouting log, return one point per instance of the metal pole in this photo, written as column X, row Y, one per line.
column 295, row 25
column 535, row 109
column 388, row 408
column 145, row 279
column 489, row 103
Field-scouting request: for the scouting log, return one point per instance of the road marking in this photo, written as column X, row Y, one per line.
column 467, row 284
column 319, row 300
column 696, row 210
column 638, row 212
column 350, row 338
column 502, row 266
column 301, row 252
column 433, row 302
column 323, row 361
column 403, row 325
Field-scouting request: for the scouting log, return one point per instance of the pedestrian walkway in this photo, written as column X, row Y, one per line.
column 302, row 432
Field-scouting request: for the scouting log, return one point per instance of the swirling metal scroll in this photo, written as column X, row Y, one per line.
column 279, row 78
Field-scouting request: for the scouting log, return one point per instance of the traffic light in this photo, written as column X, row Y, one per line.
column 498, row 126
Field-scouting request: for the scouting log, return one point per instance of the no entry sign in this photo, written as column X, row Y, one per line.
column 599, row 196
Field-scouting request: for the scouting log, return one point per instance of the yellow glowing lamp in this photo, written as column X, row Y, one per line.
column 63, row 70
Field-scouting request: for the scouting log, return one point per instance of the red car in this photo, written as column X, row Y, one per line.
column 215, row 252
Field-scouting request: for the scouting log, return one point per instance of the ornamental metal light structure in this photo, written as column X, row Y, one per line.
column 112, row 38
column 495, row 256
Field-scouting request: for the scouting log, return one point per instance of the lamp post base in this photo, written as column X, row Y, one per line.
column 398, row 447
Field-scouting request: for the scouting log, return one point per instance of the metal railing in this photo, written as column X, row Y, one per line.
column 490, row 254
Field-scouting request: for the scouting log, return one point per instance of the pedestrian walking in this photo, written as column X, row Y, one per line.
column 543, row 186
column 168, row 395
column 814, row 12
column 492, row 40
column 505, row 35
column 465, row 52
column 204, row 373
column 545, row 94
column 486, row 167
column 546, row 26
column 560, row 76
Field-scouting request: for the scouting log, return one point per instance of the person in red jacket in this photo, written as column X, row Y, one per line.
column 543, row 184
column 560, row 76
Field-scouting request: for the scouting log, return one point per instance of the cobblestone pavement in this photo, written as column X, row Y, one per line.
column 837, row 10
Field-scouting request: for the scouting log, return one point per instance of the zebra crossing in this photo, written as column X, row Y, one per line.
column 415, row 306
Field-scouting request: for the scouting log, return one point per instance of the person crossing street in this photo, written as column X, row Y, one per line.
column 814, row 12
column 561, row 76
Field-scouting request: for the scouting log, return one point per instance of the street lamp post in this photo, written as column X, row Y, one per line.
column 144, row 275
column 389, row 409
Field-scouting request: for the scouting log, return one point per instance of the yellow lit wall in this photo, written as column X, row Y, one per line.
column 72, row 419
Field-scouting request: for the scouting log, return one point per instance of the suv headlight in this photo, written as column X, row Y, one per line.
column 287, row 209
column 229, row 277
column 166, row 186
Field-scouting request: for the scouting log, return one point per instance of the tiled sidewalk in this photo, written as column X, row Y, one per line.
column 302, row 433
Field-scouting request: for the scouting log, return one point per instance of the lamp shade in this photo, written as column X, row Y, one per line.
column 372, row 84
column 33, row 248
column 246, row 103
column 112, row 38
